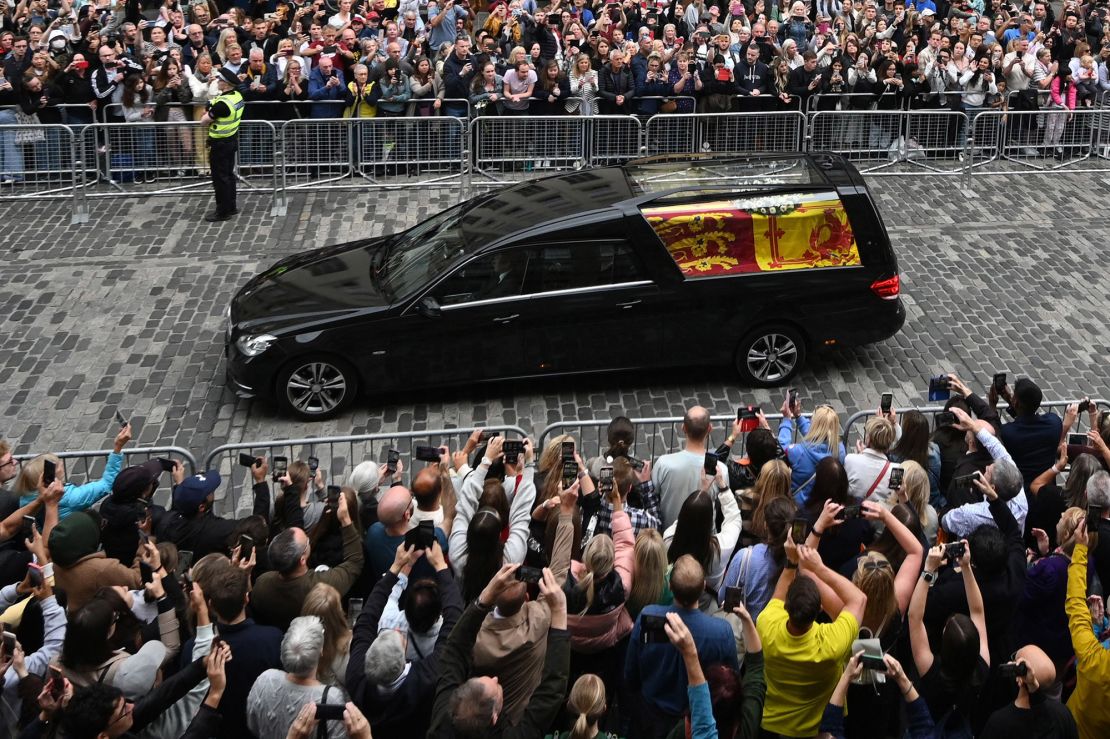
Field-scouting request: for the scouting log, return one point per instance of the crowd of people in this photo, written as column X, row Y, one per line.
column 935, row 581
column 66, row 62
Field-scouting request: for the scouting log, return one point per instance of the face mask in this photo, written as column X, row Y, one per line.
column 58, row 44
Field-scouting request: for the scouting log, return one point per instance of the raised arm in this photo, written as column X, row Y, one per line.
column 907, row 576
column 919, row 637
column 516, row 546
column 975, row 603
column 853, row 598
column 1088, row 651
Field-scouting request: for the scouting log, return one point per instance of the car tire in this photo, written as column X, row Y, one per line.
column 770, row 355
column 316, row 387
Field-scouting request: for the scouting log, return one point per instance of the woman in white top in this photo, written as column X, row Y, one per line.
column 693, row 533
column 583, row 87
column 202, row 83
column 286, row 53
column 343, row 17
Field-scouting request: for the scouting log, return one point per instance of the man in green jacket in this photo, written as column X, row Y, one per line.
column 471, row 707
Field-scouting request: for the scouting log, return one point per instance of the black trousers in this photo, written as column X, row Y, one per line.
column 222, row 160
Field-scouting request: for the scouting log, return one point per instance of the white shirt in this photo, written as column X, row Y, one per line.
column 863, row 469
column 965, row 519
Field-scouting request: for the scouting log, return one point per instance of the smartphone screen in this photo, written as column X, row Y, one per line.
column 999, row 381
column 570, row 473
column 568, row 450
column 391, row 459
column 49, row 472
column 733, row 597
column 896, row 474
column 354, row 608
column 184, row 559
column 1094, row 513
column 799, row 530
column 1077, row 440
column 710, row 463
column 886, row 402
column 313, row 465
column 246, row 546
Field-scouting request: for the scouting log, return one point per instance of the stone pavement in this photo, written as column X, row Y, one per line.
column 126, row 312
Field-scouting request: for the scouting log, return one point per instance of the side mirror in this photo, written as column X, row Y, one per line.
column 429, row 307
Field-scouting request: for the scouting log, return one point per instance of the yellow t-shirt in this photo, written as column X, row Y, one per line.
column 801, row 671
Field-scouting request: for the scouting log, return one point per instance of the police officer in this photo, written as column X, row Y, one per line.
column 222, row 118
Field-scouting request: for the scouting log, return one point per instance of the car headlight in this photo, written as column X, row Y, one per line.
column 252, row 346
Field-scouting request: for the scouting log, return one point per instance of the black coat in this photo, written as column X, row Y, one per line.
column 209, row 533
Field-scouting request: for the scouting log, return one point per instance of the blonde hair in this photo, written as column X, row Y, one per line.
column 649, row 568
column 577, row 62
column 587, row 699
column 824, row 428
column 30, row 475
column 1087, row 61
column 227, row 39
column 598, row 561
column 915, row 488
column 879, row 433
column 773, row 482
column 875, row 577
column 1065, row 529
column 324, row 602
column 514, row 59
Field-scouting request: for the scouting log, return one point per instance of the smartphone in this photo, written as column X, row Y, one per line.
column 57, row 683
column 886, row 402
column 1094, row 514
column 570, row 473
column 49, row 472
column 966, row 482
column 733, row 597
column 878, row 664
column 1077, row 440
column 748, row 416
column 313, row 465
column 955, row 550
column 850, row 512
column 999, row 381
column 354, row 609
column 1013, row 669
column 184, row 560
column 710, row 464
column 186, row 583
column 1085, row 405
column 34, row 574
column 246, row 460
column 896, row 474
column 529, row 574
column 421, row 537
column 120, row 419
column 9, row 643
column 568, row 450
column 513, row 448
column 605, row 481
column 392, row 457
column 167, row 464
column 144, row 537
column 426, row 454
column 792, row 396
column 246, row 547
column 799, row 530
column 334, row 491
column 637, row 464
column 281, row 466
column 946, row 418
column 938, row 388
column 28, row 527
column 652, row 629
column 330, row 711
column 487, row 435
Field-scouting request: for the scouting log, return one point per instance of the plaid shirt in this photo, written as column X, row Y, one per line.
column 642, row 518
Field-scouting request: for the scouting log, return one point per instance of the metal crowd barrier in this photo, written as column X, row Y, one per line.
column 654, row 436
column 85, row 466
column 856, row 422
column 78, row 162
column 338, row 455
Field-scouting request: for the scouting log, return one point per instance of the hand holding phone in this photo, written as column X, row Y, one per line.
column 281, row 466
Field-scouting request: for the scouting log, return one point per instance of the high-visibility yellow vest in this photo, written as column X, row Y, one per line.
column 222, row 128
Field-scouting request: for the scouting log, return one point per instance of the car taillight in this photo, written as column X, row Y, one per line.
column 887, row 289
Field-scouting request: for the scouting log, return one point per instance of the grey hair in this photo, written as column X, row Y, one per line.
column 385, row 659
column 615, row 53
column 302, row 645
column 472, row 708
column 364, row 478
column 1006, row 478
column 1098, row 489
column 285, row 551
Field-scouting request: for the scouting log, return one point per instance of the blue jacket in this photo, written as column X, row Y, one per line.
column 656, row 670
column 803, row 457
column 79, row 497
column 318, row 90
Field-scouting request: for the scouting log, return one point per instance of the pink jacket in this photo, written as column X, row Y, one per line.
column 591, row 634
column 1057, row 100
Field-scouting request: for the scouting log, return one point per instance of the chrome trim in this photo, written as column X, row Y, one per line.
column 548, row 294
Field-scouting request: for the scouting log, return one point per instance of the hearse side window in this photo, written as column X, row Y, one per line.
column 498, row 275
column 574, row 265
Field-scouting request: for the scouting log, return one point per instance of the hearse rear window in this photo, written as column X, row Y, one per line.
column 763, row 233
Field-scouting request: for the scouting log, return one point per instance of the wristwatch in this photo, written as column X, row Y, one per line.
column 930, row 578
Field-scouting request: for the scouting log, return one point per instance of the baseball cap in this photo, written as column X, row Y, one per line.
column 927, row 11
column 358, row 19
column 373, row 16
column 194, row 490
column 138, row 673
column 134, row 481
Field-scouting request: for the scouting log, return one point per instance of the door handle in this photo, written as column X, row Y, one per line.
column 629, row 304
column 506, row 319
